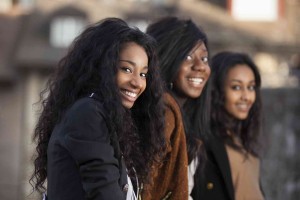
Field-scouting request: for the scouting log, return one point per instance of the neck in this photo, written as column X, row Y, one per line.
column 179, row 99
column 233, row 126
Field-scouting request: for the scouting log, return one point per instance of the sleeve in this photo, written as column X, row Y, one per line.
column 87, row 140
column 170, row 180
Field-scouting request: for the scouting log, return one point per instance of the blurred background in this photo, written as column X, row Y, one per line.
column 35, row 34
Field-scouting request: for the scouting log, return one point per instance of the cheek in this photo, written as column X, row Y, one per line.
column 144, row 85
column 119, row 79
column 208, row 71
column 253, row 97
column 227, row 105
column 180, row 78
column 229, row 100
column 182, row 71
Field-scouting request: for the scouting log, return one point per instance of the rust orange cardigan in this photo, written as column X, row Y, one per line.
column 170, row 180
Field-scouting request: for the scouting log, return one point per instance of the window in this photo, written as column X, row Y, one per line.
column 5, row 5
column 63, row 30
column 255, row 10
column 26, row 3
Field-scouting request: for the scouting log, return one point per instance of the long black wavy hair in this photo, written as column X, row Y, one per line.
column 176, row 38
column 247, row 130
column 91, row 66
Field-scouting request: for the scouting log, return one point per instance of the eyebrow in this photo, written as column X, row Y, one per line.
column 236, row 80
column 193, row 50
column 132, row 63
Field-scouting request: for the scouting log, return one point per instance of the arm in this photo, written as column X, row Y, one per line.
column 88, row 141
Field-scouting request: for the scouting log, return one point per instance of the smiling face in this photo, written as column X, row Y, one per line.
column 193, row 74
column 239, row 91
column 132, row 71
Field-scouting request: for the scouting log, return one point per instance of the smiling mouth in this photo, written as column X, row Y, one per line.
column 243, row 107
column 196, row 81
column 131, row 96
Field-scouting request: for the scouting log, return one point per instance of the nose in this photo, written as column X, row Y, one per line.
column 199, row 65
column 137, row 81
column 245, row 94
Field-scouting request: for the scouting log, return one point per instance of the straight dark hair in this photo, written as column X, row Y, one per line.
column 176, row 38
column 221, row 122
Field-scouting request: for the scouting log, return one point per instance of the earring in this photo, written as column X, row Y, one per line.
column 171, row 85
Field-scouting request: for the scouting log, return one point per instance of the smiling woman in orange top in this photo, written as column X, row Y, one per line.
column 183, row 54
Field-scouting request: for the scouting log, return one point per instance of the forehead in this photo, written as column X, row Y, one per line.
column 240, row 72
column 131, row 49
column 134, row 54
column 200, row 46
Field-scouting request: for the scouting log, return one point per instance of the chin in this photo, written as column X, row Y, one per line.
column 127, row 105
column 241, row 117
column 195, row 95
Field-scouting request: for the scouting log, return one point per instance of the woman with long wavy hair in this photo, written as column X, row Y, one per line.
column 100, row 130
column 232, row 170
column 183, row 55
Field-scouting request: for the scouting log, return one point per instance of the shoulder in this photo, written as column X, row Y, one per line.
column 86, row 106
column 172, row 109
column 86, row 118
column 171, row 103
column 174, row 127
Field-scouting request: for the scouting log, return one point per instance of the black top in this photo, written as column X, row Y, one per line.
column 81, row 160
column 215, row 181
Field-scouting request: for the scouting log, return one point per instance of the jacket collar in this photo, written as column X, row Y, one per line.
column 219, row 152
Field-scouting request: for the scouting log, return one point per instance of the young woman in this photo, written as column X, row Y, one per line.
column 182, row 50
column 232, row 170
column 102, row 119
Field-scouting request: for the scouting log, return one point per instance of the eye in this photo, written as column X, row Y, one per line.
column 236, row 87
column 126, row 69
column 251, row 87
column 204, row 59
column 188, row 58
column 144, row 75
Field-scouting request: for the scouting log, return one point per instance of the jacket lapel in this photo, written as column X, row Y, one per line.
column 221, row 157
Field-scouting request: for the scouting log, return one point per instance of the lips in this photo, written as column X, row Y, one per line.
column 129, row 95
column 195, row 81
column 244, row 107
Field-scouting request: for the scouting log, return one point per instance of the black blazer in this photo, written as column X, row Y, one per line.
column 216, row 181
column 81, row 161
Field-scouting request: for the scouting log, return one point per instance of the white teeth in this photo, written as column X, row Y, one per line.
column 243, row 106
column 131, row 94
column 196, row 80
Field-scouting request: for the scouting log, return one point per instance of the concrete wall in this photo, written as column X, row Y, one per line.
column 10, row 141
column 17, row 120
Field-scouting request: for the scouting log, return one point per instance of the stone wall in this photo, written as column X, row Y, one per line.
column 281, row 143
